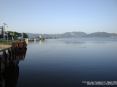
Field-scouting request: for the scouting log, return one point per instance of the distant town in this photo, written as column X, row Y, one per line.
column 74, row 35
column 10, row 35
column 14, row 35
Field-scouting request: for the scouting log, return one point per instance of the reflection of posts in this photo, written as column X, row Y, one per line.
column 11, row 75
column 2, row 66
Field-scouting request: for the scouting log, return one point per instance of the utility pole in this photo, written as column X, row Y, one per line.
column 7, row 33
column 3, row 31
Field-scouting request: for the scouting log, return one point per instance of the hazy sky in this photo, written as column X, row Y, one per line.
column 58, row 16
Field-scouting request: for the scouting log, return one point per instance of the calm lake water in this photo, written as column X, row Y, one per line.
column 68, row 62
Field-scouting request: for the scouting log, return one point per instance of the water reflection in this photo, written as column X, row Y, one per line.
column 41, row 42
column 9, row 68
column 87, row 40
column 54, row 63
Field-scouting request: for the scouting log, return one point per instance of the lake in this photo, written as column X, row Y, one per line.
column 68, row 62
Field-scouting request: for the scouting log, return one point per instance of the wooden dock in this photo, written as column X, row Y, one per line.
column 9, row 60
column 2, row 46
column 16, row 51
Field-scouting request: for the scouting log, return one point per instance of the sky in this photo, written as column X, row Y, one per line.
column 59, row 16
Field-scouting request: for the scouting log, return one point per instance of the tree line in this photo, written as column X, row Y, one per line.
column 13, row 35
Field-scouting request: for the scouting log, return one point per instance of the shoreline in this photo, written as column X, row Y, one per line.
column 4, row 46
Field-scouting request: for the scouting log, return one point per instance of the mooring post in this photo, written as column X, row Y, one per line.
column 2, row 64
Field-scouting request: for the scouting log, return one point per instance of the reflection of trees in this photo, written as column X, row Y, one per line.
column 9, row 68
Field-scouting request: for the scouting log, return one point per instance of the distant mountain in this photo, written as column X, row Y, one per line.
column 102, row 34
column 75, row 35
column 99, row 34
column 95, row 34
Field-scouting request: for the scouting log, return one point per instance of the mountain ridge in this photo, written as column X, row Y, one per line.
column 75, row 35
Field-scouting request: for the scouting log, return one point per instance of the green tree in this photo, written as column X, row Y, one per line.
column 15, row 35
column 25, row 35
